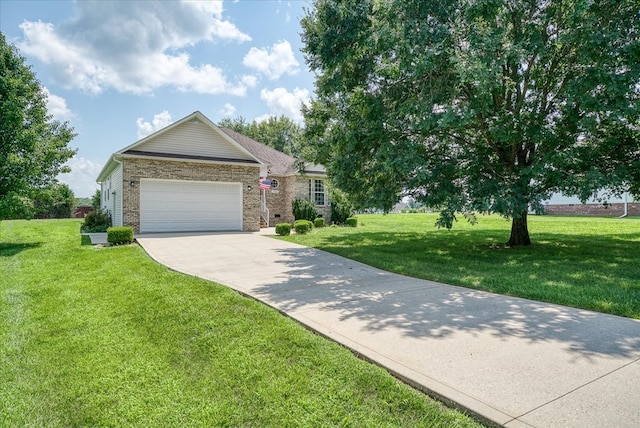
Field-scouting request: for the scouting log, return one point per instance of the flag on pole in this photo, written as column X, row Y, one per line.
column 265, row 184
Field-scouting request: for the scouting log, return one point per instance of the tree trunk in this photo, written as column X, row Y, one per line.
column 519, row 231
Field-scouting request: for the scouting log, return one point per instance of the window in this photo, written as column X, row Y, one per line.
column 316, row 192
column 274, row 184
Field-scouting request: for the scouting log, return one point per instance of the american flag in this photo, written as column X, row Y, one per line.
column 265, row 184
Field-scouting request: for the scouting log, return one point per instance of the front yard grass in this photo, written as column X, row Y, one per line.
column 106, row 337
column 585, row 262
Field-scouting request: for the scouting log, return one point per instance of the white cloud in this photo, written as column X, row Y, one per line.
column 273, row 62
column 281, row 101
column 57, row 107
column 228, row 110
column 134, row 46
column 264, row 117
column 82, row 178
column 158, row 122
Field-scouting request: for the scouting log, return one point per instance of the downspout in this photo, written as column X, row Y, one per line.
column 626, row 204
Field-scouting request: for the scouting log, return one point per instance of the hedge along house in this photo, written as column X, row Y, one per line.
column 195, row 176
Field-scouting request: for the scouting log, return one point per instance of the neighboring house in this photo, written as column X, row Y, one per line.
column 195, row 176
column 614, row 207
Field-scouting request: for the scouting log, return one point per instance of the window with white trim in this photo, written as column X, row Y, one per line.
column 274, row 184
column 316, row 192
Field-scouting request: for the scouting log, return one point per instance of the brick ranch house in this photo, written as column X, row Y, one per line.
column 195, row 176
column 625, row 205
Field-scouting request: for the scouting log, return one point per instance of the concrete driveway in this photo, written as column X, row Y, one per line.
column 514, row 362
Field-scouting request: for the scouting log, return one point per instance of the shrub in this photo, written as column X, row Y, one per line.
column 340, row 212
column 283, row 229
column 120, row 235
column 352, row 222
column 302, row 226
column 96, row 221
column 304, row 210
column 319, row 222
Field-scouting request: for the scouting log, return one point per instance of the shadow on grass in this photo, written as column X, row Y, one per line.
column 379, row 301
column 11, row 249
column 85, row 240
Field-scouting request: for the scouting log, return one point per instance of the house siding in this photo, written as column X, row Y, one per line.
column 136, row 169
column 302, row 192
column 279, row 201
column 111, row 195
column 194, row 138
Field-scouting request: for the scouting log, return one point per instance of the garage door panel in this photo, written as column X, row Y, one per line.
column 175, row 206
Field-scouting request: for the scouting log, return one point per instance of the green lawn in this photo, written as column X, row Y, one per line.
column 585, row 262
column 106, row 337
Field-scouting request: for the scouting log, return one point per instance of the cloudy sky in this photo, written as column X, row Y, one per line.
column 119, row 70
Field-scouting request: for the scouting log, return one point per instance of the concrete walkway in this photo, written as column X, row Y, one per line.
column 514, row 362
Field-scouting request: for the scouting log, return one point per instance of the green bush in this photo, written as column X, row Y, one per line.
column 120, row 235
column 304, row 210
column 340, row 212
column 96, row 221
column 283, row 229
column 319, row 222
column 302, row 226
column 352, row 222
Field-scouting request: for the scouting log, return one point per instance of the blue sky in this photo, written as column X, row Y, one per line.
column 119, row 70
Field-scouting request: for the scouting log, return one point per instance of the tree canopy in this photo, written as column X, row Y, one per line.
column 474, row 106
column 280, row 133
column 33, row 146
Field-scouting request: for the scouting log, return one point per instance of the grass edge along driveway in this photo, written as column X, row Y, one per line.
column 583, row 262
column 95, row 336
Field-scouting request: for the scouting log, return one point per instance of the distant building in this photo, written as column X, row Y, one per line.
column 613, row 207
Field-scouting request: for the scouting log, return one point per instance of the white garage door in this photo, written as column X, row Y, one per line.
column 188, row 206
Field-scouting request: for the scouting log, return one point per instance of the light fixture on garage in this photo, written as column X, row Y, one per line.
column 132, row 183
column 249, row 187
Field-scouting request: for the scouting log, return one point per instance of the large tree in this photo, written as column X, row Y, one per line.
column 483, row 106
column 33, row 146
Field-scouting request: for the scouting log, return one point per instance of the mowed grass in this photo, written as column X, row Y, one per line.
column 584, row 262
column 106, row 337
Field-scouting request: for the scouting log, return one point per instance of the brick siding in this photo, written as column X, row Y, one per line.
column 279, row 201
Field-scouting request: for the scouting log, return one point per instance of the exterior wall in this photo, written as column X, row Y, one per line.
column 111, row 194
column 279, row 201
column 609, row 210
column 302, row 192
column 136, row 169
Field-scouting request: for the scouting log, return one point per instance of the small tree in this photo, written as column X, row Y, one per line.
column 96, row 200
column 54, row 201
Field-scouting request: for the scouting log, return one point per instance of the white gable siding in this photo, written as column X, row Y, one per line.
column 196, row 139
column 111, row 195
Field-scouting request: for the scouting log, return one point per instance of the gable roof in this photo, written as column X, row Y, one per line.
column 191, row 138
